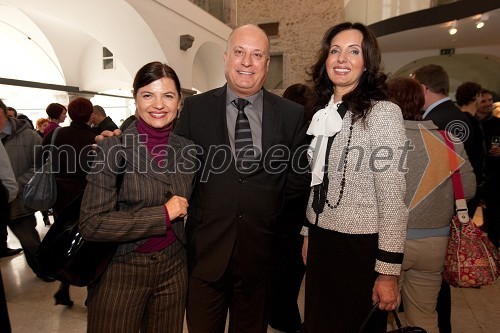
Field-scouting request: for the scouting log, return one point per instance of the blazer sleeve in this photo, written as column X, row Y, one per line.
column 99, row 218
column 387, row 137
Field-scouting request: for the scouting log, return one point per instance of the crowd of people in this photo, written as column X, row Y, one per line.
column 223, row 206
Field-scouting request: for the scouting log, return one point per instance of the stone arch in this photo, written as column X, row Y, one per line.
column 208, row 67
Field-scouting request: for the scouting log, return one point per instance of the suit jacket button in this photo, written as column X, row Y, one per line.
column 240, row 180
column 239, row 215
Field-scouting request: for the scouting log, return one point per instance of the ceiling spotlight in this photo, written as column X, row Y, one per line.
column 482, row 19
column 453, row 30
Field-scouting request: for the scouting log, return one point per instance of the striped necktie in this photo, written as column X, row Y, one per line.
column 243, row 144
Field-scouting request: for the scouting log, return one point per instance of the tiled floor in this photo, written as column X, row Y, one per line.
column 31, row 306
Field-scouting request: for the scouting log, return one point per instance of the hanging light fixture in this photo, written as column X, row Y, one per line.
column 481, row 22
column 453, row 30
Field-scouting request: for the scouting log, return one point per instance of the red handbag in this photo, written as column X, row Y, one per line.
column 471, row 259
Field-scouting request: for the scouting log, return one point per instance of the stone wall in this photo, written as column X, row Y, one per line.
column 302, row 25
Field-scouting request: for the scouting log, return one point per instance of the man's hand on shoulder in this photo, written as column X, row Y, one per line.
column 107, row 134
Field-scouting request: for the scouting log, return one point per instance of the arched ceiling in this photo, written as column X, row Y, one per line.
column 72, row 33
column 462, row 68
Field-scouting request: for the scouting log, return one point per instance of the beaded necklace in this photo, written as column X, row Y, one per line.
column 343, row 181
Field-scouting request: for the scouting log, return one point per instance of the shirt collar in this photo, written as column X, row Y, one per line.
column 433, row 105
column 231, row 96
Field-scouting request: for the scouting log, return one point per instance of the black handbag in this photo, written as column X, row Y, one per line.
column 401, row 329
column 40, row 193
column 64, row 254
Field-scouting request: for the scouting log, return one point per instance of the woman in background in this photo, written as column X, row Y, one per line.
column 73, row 145
column 57, row 114
column 430, row 212
column 41, row 124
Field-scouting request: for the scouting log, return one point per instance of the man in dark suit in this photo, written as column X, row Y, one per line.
column 236, row 209
column 100, row 121
column 491, row 126
column 439, row 108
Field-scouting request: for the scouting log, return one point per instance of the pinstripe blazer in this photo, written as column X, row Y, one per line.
column 145, row 188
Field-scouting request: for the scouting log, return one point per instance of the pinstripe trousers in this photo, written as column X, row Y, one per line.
column 141, row 291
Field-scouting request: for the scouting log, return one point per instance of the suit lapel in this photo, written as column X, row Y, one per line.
column 220, row 115
column 269, row 119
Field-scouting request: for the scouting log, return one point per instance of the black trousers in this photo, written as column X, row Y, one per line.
column 443, row 308
column 247, row 302
column 4, row 218
column 287, row 279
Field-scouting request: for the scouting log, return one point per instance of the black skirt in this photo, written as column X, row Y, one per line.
column 340, row 275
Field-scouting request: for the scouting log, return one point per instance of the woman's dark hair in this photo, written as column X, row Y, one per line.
column 371, row 86
column 54, row 110
column 152, row 72
column 408, row 94
column 80, row 109
column 301, row 94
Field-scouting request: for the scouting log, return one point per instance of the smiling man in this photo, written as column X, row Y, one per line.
column 236, row 211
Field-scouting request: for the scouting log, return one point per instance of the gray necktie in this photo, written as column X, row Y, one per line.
column 243, row 144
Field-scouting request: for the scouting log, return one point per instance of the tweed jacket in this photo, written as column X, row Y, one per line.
column 22, row 146
column 246, row 209
column 437, row 207
column 373, row 196
column 146, row 186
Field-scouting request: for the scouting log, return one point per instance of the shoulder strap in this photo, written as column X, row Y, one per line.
column 456, row 179
column 53, row 140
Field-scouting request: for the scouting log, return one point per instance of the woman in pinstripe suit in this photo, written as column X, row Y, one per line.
column 144, row 287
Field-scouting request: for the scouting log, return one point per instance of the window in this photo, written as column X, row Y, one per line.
column 108, row 60
column 274, row 78
column 271, row 29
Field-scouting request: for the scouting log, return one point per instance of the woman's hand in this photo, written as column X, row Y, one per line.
column 386, row 292
column 176, row 207
column 304, row 249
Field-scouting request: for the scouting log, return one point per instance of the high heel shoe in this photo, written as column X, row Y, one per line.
column 62, row 297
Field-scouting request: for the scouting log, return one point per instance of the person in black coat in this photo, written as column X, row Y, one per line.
column 101, row 122
column 72, row 158
column 235, row 214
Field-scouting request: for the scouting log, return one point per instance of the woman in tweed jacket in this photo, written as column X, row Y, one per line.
column 430, row 212
column 354, row 248
column 144, row 287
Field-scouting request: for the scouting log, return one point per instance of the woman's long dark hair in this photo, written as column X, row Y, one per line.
column 371, row 86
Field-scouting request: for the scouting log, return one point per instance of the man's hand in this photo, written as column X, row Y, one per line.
column 386, row 292
column 107, row 134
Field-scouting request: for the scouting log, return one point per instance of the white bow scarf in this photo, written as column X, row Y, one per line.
column 325, row 123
